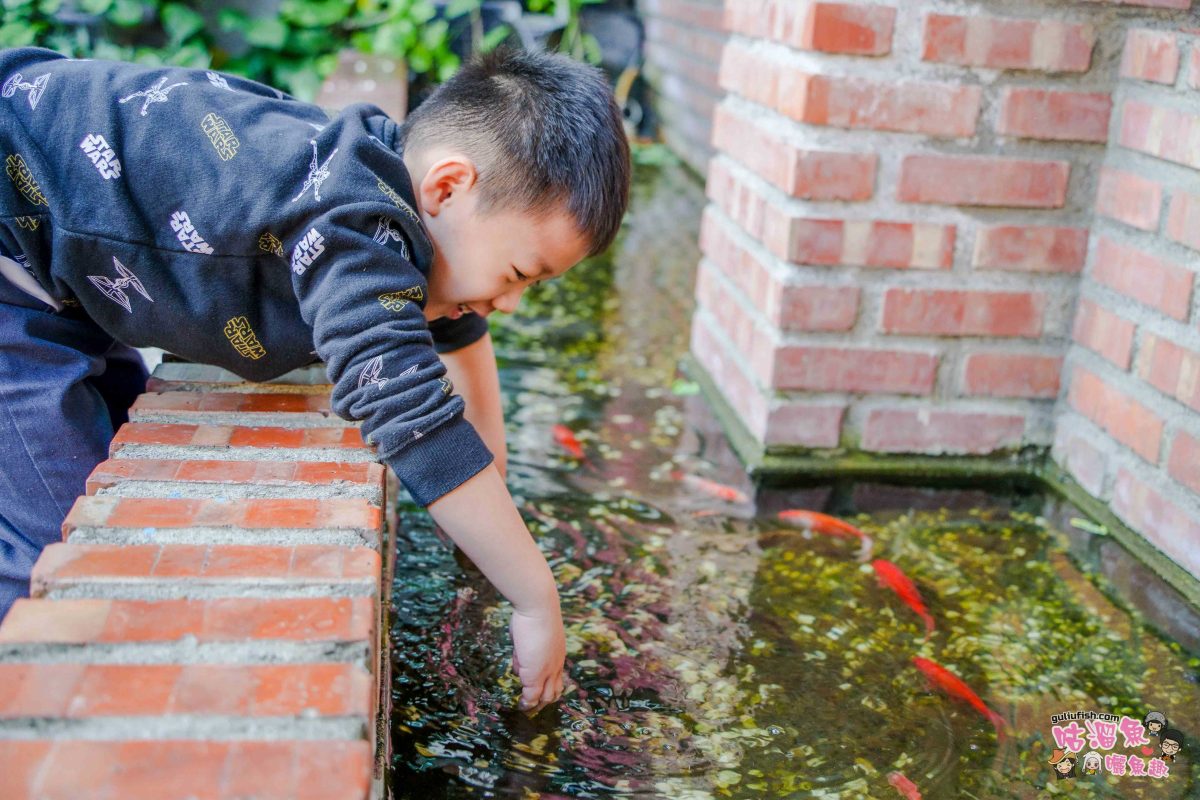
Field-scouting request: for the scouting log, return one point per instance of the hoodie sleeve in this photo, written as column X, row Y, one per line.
column 364, row 300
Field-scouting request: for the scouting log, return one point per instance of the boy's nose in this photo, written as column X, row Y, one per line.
column 509, row 301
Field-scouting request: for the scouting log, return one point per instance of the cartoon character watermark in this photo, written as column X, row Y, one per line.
column 1063, row 763
column 1171, row 742
column 1101, row 733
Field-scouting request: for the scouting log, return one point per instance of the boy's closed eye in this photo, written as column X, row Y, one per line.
column 521, row 276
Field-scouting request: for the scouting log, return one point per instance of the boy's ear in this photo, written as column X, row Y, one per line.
column 447, row 181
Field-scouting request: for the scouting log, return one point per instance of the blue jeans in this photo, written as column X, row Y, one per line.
column 65, row 387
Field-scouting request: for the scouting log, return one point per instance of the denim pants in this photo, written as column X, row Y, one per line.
column 65, row 387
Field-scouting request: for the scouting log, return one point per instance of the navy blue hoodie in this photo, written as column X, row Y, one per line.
column 230, row 224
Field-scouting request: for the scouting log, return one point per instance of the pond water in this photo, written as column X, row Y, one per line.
column 717, row 650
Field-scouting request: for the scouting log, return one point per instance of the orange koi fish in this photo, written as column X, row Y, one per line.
column 949, row 683
column 826, row 525
column 907, row 789
column 894, row 578
column 718, row 490
column 565, row 439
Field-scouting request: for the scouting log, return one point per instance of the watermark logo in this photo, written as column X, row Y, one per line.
column 1150, row 746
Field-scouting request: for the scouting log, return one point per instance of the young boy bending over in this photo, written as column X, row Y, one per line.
column 230, row 224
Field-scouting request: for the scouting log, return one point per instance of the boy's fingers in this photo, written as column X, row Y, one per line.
column 531, row 695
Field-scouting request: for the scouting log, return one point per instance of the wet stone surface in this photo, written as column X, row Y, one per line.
column 716, row 650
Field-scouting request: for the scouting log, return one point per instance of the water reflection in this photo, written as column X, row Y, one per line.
column 715, row 650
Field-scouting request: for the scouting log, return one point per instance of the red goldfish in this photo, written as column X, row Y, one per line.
column 718, row 490
column 894, row 578
column 950, row 684
column 817, row 522
column 907, row 789
column 565, row 438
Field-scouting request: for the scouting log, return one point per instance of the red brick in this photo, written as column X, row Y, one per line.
column 947, row 312
column 1183, row 220
column 1128, row 197
column 1085, row 462
column 872, row 243
column 163, row 690
column 934, row 431
column 749, row 18
column 1170, row 528
column 37, row 690
column 1128, row 421
column 736, row 322
column 1002, row 43
column 788, row 306
column 839, row 369
column 145, row 769
column 1012, row 375
column 169, row 512
column 1031, row 248
column 762, row 217
column 229, row 619
column 1194, row 68
column 748, row 73
column 800, row 423
column 807, row 174
column 850, row 29
column 1057, row 115
column 1184, row 462
column 1150, row 56
column 736, row 388
column 700, row 15
column 818, row 308
column 1166, row 133
column 64, row 565
column 1170, row 368
column 935, row 109
column 983, row 181
column 671, row 34
column 864, row 30
column 1150, row 280
column 222, row 437
column 1104, row 332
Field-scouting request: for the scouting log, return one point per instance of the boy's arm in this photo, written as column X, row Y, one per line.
column 481, row 518
column 472, row 370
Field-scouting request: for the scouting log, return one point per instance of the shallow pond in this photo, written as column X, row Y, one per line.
column 716, row 649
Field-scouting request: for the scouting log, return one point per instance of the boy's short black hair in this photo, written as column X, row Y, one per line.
column 542, row 129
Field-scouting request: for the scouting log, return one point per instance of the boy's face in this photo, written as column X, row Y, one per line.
column 484, row 261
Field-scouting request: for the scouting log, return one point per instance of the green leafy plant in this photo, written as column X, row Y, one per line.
column 573, row 41
column 295, row 48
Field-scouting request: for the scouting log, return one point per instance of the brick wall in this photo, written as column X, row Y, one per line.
column 942, row 230
column 1128, row 429
column 684, row 40
column 211, row 625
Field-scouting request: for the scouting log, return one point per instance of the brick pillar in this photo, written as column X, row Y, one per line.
column 684, row 39
column 1128, row 428
column 907, row 201
column 899, row 215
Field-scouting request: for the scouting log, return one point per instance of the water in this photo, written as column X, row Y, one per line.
column 715, row 650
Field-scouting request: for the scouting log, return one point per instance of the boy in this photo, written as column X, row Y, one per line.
column 230, row 224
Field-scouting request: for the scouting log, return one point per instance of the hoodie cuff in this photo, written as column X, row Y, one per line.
column 440, row 461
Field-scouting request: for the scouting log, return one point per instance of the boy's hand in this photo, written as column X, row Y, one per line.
column 539, row 650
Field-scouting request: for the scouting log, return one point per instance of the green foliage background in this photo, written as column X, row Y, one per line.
column 294, row 48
